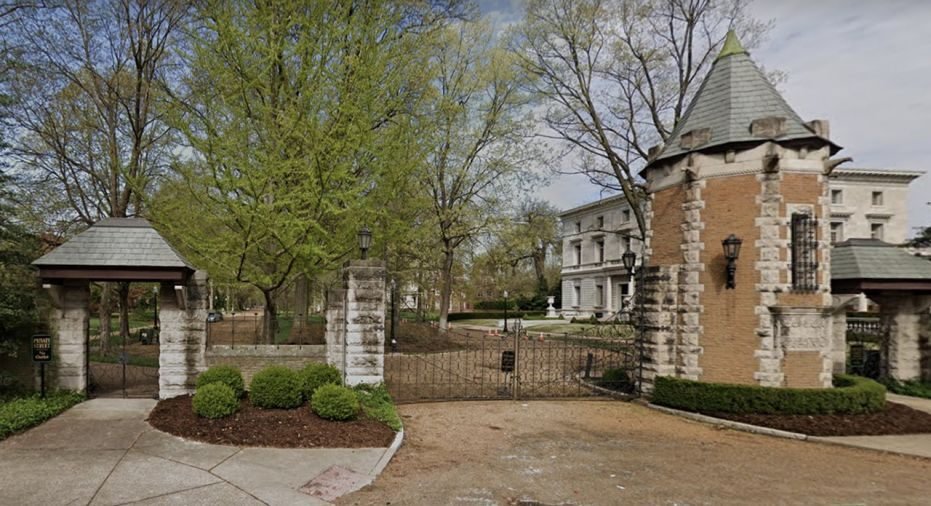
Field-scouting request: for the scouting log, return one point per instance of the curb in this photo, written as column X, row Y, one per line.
column 766, row 431
column 745, row 427
column 389, row 454
column 605, row 391
column 825, row 441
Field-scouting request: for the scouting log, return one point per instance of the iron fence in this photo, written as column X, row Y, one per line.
column 521, row 365
column 247, row 329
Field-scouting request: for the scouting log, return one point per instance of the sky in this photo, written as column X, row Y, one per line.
column 863, row 65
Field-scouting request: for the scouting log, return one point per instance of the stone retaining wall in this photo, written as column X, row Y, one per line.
column 251, row 359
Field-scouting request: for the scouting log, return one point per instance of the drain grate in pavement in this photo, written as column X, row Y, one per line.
column 335, row 482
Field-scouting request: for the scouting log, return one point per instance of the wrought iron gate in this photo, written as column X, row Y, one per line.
column 865, row 338
column 130, row 370
column 460, row 365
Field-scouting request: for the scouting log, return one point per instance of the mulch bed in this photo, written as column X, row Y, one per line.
column 278, row 428
column 894, row 419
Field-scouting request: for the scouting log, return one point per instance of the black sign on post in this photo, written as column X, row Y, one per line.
column 507, row 361
column 41, row 348
column 42, row 353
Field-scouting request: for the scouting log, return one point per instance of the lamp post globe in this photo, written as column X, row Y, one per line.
column 365, row 241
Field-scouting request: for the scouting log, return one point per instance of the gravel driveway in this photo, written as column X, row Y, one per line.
column 608, row 452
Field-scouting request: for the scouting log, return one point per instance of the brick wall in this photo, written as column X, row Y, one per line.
column 667, row 220
column 802, row 369
column 251, row 359
column 729, row 319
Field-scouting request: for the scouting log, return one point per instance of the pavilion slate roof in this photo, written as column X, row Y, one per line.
column 734, row 93
column 874, row 259
column 116, row 242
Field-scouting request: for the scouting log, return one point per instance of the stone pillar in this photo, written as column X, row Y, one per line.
column 183, row 335
column 336, row 328
column 70, row 322
column 659, row 297
column 355, row 332
column 905, row 352
column 839, row 343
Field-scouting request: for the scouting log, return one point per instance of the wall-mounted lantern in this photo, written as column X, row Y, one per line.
column 629, row 259
column 365, row 241
column 731, row 253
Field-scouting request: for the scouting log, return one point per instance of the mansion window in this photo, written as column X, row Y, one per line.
column 578, row 227
column 599, row 295
column 578, row 254
column 600, row 251
column 837, row 196
column 625, row 215
column 625, row 243
column 804, row 252
column 876, row 231
column 576, row 295
column 877, row 198
column 600, row 222
column 837, row 232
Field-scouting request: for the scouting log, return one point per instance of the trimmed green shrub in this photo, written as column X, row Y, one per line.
column 24, row 412
column 315, row 375
column 276, row 387
column 377, row 404
column 616, row 379
column 215, row 400
column 910, row 388
column 226, row 374
column 335, row 402
column 491, row 315
column 850, row 395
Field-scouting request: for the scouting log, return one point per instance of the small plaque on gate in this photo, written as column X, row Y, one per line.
column 41, row 348
column 507, row 361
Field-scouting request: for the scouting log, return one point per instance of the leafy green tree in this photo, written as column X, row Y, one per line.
column 296, row 119
column 18, row 291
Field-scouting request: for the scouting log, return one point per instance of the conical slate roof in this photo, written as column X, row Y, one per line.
column 116, row 242
column 734, row 94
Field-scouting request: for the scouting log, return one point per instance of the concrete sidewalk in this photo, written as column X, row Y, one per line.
column 918, row 445
column 102, row 452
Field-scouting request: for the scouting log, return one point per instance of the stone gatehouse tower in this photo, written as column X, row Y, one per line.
column 740, row 162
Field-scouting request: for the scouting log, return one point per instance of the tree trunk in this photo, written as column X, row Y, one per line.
column 446, row 288
column 300, row 298
column 124, row 310
column 106, row 306
column 269, row 318
column 539, row 267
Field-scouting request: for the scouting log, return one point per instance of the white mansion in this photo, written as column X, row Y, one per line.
column 865, row 203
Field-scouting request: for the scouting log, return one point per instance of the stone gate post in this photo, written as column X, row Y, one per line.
column 355, row 332
column 183, row 336
column 69, row 324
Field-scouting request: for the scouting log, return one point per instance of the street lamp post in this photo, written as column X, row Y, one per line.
column 155, row 301
column 505, row 311
column 365, row 241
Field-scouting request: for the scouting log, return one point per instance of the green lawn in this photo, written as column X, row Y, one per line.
column 136, row 320
column 478, row 322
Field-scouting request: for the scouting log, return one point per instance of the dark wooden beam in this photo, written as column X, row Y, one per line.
column 880, row 285
column 51, row 274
